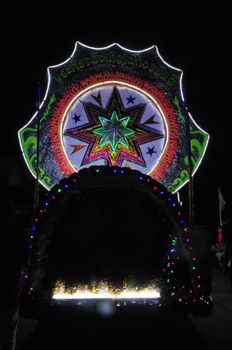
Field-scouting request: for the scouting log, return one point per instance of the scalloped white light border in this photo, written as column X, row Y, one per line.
column 100, row 49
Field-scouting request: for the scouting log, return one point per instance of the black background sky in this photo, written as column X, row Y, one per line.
column 193, row 38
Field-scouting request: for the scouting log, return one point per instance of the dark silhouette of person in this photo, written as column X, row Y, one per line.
column 10, row 268
column 227, row 238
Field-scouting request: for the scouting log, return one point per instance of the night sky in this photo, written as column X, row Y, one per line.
column 197, row 40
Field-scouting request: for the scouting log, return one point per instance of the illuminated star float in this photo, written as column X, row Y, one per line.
column 114, row 107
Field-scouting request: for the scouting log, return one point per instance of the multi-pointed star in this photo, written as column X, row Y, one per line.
column 114, row 133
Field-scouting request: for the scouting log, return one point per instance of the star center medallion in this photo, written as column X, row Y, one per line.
column 114, row 131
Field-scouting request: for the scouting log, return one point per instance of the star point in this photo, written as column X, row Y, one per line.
column 151, row 120
column 76, row 148
column 97, row 98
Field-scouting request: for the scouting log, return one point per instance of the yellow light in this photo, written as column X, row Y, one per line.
column 103, row 290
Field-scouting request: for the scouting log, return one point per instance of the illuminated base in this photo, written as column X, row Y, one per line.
column 103, row 292
column 107, row 296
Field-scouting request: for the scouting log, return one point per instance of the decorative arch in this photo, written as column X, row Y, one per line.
column 179, row 250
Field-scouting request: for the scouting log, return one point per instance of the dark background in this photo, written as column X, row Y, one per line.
column 193, row 38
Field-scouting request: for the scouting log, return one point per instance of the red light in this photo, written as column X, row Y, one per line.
column 220, row 238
